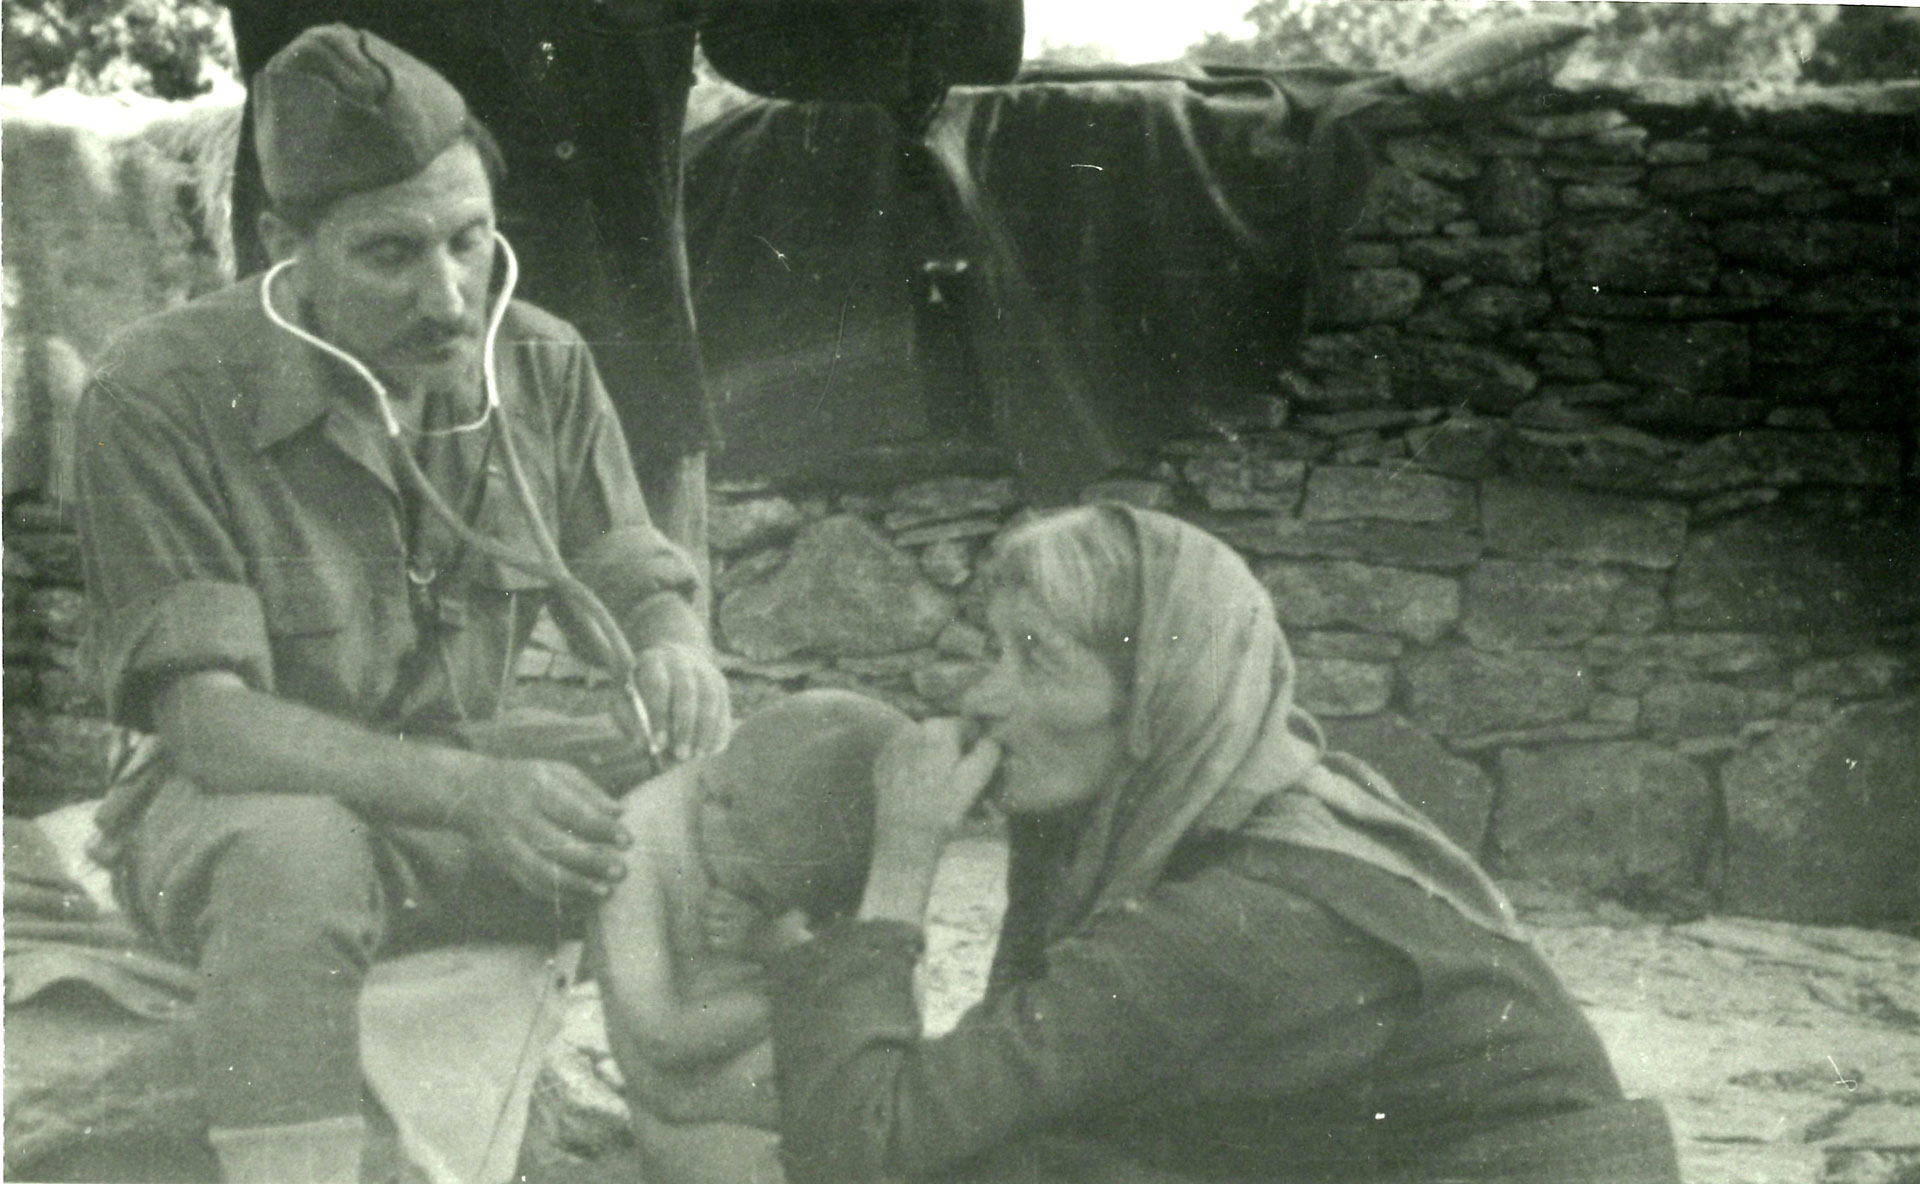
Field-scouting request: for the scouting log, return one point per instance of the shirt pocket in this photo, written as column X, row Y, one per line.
column 300, row 600
column 505, row 521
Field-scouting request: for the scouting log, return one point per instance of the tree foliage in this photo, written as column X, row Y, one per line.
column 171, row 49
column 1756, row 43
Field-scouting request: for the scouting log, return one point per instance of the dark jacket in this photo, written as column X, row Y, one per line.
column 1270, row 1012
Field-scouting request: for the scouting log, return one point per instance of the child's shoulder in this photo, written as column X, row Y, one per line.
column 660, row 811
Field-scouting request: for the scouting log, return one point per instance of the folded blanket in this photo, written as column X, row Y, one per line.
column 450, row 1039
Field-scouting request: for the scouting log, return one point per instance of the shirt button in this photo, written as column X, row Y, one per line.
column 565, row 150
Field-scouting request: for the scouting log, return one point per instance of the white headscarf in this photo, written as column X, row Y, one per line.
column 1210, row 732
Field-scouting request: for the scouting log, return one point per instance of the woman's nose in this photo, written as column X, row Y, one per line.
column 987, row 697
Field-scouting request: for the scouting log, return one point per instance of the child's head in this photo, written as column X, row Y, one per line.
column 786, row 810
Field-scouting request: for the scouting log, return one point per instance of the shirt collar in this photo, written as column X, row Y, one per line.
column 299, row 385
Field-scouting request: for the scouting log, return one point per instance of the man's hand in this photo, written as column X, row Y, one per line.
column 548, row 825
column 686, row 696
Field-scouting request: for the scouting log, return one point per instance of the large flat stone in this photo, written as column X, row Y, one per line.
column 949, row 497
column 1400, row 544
column 1246, row 482
column 1814, row 245
column 1457, row 691
column 1497, row 259
column 1626, row 819
column 844, row 591
column 1618, row 459
column 1689, row 708
column 1457, row 794
column 1554, row 522
column 1700, row 653
column 1514, row 605
column 1704, row 357
column 1370, row 295
column 1314, row 595
column 1784, row 458
column 1433, row 156
column 1394, row 493
column 1461, row 445
column 1333, row 687
column 1455, row 373
column 1512, row 195
column 1401, row 204
column 1488, row 310
column 1823, row 821
column 1656, row 252
column 735, row 526
column 1816, row 564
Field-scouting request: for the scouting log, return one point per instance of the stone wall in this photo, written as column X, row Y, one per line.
column 1591, row 513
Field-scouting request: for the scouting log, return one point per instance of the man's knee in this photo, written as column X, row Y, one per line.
column 297, row 868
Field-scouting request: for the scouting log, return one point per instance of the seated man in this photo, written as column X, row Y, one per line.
column 735, row 845
column 301, row 617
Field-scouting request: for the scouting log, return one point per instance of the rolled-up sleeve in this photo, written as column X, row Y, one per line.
column 168, row 589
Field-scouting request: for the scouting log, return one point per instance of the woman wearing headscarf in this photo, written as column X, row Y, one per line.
column 1228, row 954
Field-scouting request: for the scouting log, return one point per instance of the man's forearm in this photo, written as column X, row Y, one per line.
column 230, row 738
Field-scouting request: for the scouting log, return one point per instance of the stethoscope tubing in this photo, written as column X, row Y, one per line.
column 550, row 564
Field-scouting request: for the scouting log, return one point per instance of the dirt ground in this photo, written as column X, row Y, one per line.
column 1784, row 1054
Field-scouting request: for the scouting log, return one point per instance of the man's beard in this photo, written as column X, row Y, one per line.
column 449, row 386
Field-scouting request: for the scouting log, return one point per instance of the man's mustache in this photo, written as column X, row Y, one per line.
column 431, row 335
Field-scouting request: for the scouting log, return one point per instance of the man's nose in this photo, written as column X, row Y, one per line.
column 440, row 294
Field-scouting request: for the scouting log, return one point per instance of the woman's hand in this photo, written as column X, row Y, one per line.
column 730, row 925
column 727, row 922
column 926, row 780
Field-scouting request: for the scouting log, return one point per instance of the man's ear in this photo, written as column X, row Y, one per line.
column 280, row 239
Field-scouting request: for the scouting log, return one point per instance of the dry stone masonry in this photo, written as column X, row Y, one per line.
column 1590, row 509
column 1591, row 512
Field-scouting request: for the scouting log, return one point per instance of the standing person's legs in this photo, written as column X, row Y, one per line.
column 676, row 493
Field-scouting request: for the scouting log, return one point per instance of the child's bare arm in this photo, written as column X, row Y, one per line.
column 739, row 1091
column 655, row 1019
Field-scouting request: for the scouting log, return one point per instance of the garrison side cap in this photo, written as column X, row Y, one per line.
column 339, row 111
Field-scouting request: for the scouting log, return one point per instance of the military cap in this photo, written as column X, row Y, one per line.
column 340, row 111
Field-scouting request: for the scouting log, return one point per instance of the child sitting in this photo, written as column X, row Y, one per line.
column 726, row 847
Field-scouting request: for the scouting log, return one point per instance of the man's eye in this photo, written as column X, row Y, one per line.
column 388, row 256
column 470, row 242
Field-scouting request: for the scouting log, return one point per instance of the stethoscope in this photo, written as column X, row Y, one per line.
column 549, row 564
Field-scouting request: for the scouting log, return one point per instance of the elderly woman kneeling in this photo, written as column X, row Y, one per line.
column 1228, row 954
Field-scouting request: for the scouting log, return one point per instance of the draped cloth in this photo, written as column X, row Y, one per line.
column 1211, row 730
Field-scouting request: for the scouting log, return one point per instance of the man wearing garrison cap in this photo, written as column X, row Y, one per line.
column 314, row 508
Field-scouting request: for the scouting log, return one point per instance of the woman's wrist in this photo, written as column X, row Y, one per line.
column 900, row 878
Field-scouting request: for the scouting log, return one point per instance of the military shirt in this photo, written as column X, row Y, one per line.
column 241, row 510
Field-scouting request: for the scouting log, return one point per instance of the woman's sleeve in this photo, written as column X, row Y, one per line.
column 1127, row 1007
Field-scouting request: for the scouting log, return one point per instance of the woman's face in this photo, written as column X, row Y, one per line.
column 1053, row 705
